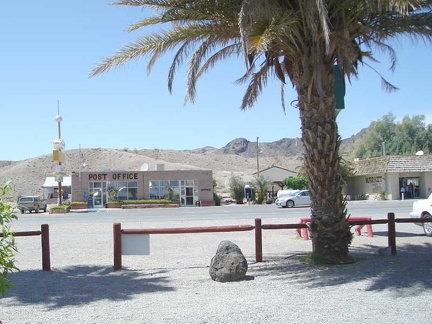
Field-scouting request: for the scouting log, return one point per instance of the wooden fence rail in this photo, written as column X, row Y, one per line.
column 44, row 233
column 258, row 227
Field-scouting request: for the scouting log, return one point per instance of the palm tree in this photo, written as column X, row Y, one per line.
column 297, row 40
column 261, row 186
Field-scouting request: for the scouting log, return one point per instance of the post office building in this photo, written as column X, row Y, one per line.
column 188, row 187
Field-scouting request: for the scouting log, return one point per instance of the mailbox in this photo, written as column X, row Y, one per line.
column 248, row 192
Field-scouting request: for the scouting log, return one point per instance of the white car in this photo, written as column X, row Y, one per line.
column 423, row 209
column 296, row 198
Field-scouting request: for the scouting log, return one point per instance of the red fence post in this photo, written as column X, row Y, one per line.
column 46, row 259
column 258, row 240
column 117, row 246
column 391, row 232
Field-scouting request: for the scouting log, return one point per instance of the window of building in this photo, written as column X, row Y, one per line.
column 185, row 191
column 123, row 190
column 164, row 189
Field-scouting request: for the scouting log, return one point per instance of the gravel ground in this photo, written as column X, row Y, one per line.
column 172, row 284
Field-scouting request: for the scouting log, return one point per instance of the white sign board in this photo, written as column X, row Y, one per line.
column 135, row 244
column 59, row 144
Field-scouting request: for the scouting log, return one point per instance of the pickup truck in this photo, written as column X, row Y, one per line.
column 31, row 203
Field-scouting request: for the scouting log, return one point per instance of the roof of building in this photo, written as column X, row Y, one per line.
column 51, row 183
column 274, row 167
column 394, row 163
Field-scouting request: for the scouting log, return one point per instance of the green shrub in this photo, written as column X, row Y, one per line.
column 296, row 183
column 78, row 202
column 217, row 199
column 141, row 201
column 59, row 209
column 237, row 188
column 7, row 241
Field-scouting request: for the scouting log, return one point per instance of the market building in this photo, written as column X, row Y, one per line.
column 50, row 187
column 391, row 177
column 188, row 187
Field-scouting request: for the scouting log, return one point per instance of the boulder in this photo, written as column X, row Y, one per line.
column 229, row 263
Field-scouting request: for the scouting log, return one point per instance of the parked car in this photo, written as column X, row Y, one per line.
column 288, row 192
column 296, row 198
column 31, row 203
column 423, row 209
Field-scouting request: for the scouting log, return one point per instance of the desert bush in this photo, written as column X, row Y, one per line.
column 7, row 240
column 237, row 188
column 217, row 199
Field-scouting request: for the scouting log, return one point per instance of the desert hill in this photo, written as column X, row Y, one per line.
column 238, row 157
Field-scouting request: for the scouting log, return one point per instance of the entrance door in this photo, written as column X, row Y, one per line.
column 189, row 196
column 189, row 192
column 410, row 187
column 97, row 191
column 97, row 198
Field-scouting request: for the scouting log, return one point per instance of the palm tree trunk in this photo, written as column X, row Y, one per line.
column 329, row 231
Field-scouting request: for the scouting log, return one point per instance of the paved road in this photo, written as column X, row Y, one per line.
column 374, row 209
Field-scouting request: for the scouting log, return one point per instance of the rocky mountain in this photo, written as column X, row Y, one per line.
column 238, row 157
column 285, row 147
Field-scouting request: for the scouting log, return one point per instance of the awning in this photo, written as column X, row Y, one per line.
column 51, row 183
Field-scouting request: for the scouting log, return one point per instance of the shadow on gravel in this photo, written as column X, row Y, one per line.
column 82, row 285
column 405, row 274
column 399, row 234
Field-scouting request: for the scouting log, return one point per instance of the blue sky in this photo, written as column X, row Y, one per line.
column 49, row 47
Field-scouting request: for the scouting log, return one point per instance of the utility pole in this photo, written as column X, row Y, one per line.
column 58, row 156
column 258, row 171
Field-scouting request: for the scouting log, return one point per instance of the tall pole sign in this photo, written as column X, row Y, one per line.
column 58, row 156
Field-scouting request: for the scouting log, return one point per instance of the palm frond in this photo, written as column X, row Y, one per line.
column 385, row 85
column 143, row 3
column 285, row 38
column 257, row 83
column 182, row 52
column 217, row 56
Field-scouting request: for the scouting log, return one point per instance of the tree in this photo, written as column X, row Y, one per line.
column 411, row 135
column 261, row 186
column 237, row 188
column 379, row 136
column 386, row 136
column 7, row 241
column 346, row 169
column 297, row 183
column 299, row 40
column 428, row 139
